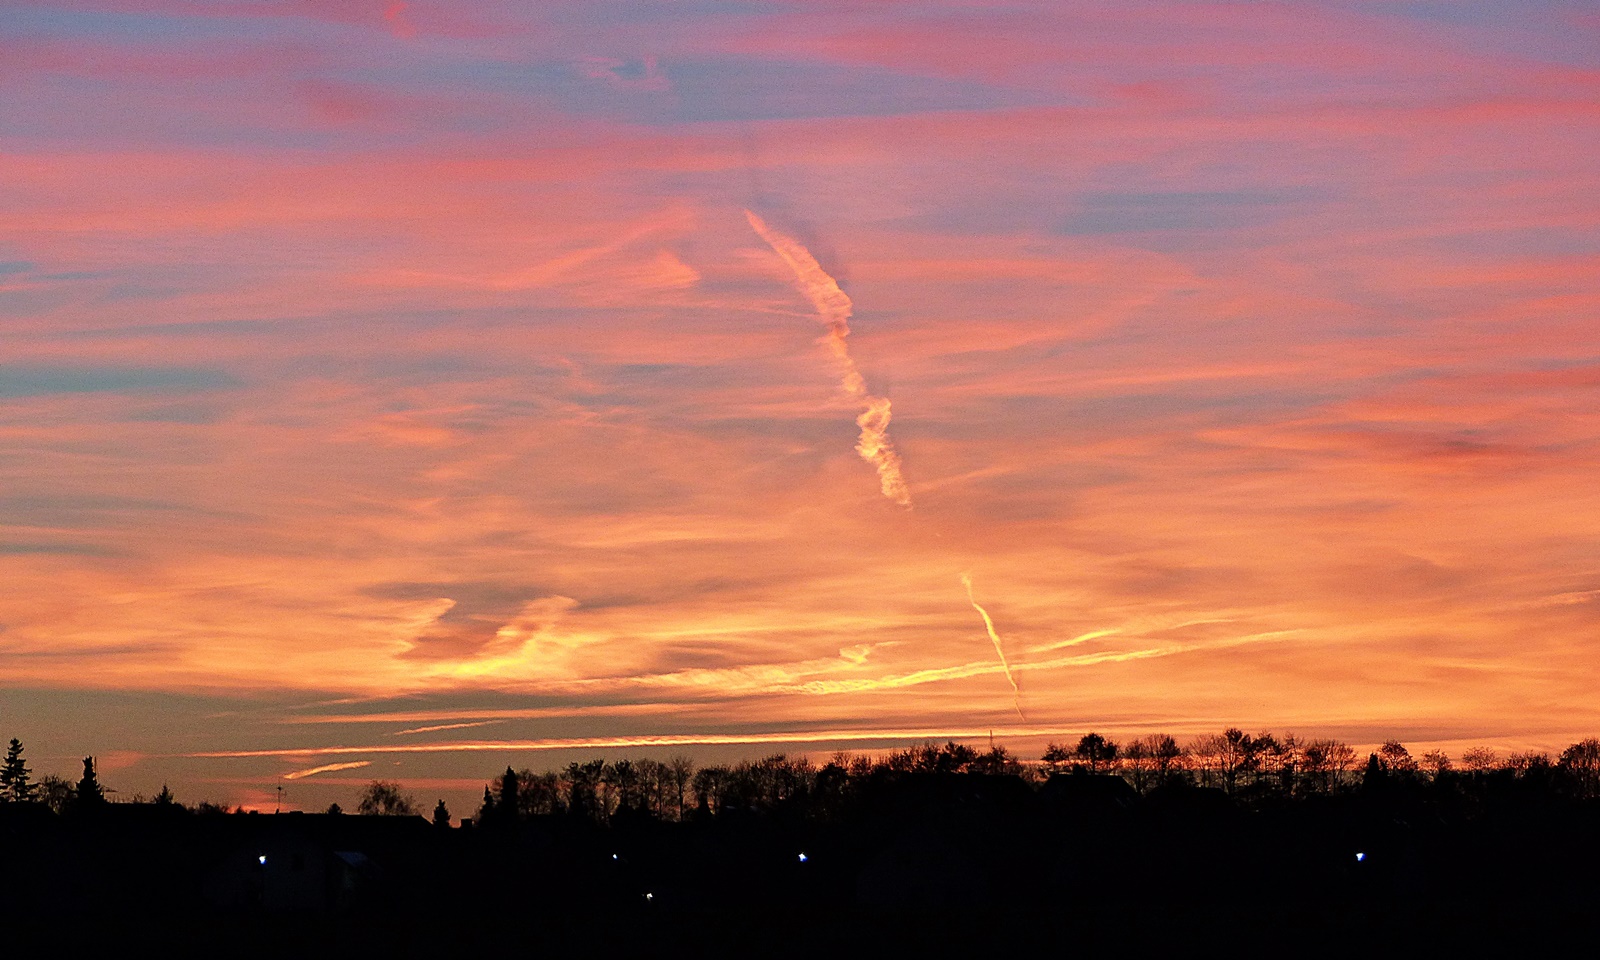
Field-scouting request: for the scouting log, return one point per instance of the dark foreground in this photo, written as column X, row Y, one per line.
column 937, row 864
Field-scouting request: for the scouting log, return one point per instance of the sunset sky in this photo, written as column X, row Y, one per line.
column 407, row 382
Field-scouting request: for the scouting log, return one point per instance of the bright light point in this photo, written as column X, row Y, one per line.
column 262, row 859
column 614, row 856
column 802, row 858
column 649, row 896
column 1360, row 857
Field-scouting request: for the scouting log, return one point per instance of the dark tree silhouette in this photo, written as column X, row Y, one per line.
column 1095, row 752
column 90, row 794
column 996, row 762
column 1529, row 764
column 1137, row 764
column 1269, row 757
column 1581, row 762
column 1055, row 756
column 57, row 793
column 623, row 778
column 583, row 790
column 383, row 798
column 709, row 786
column 15, row 785
column 334, row 809
column 1395, row 758
column 507, row 804
column 1479, row 760
column 441, row 815
column 1167, row 754
column 1327, row 764
column 1236, row 755
column 1436, row 762
column 1150, row 760
column 165, row 798
column 538, row 794
column 1376, row 775
column 681, row 769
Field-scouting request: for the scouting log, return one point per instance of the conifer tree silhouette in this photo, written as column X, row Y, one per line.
column 15, row 785
column 90, row 793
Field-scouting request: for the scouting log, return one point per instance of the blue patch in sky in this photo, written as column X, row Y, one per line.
column 1538, row 30
column 1479, row 12
column 1112, row 213
column 19, row 381
column 713, row 90
column 51, row 548
column 153, row 29
column 11, row 267
column 598, row 14
column 739, row 89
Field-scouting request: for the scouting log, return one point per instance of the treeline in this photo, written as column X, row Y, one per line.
column 61, row 795
column 1263, row 764
column 1247, row 767
column 1250, row 768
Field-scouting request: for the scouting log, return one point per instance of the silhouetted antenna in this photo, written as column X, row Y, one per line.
column 279, row 805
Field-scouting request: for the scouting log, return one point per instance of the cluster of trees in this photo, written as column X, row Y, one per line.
column 1232, row 760
column 597, row 790
column 669, row 790
column 384, row 798
column 1243, row 765
column 57, row 793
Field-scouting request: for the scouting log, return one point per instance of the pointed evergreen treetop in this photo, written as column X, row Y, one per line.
column 509, row 789
column 90, row 793
column 15, row 785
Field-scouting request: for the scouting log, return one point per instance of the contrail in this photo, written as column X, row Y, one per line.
column 442, row 726
column 834, row 307
column 634, row 742
column 326, row 768
column 988, row 624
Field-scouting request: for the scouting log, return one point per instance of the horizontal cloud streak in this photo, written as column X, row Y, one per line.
column 635, row 742
column 435, row 728
column 326, row 768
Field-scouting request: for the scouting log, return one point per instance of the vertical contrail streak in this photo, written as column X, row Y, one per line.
column 988, row 624
column 834, row 307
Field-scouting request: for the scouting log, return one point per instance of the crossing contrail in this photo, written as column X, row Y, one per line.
column 988, row 624
column 833, row 306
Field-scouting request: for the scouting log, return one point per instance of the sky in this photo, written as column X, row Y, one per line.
column 416, row 388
